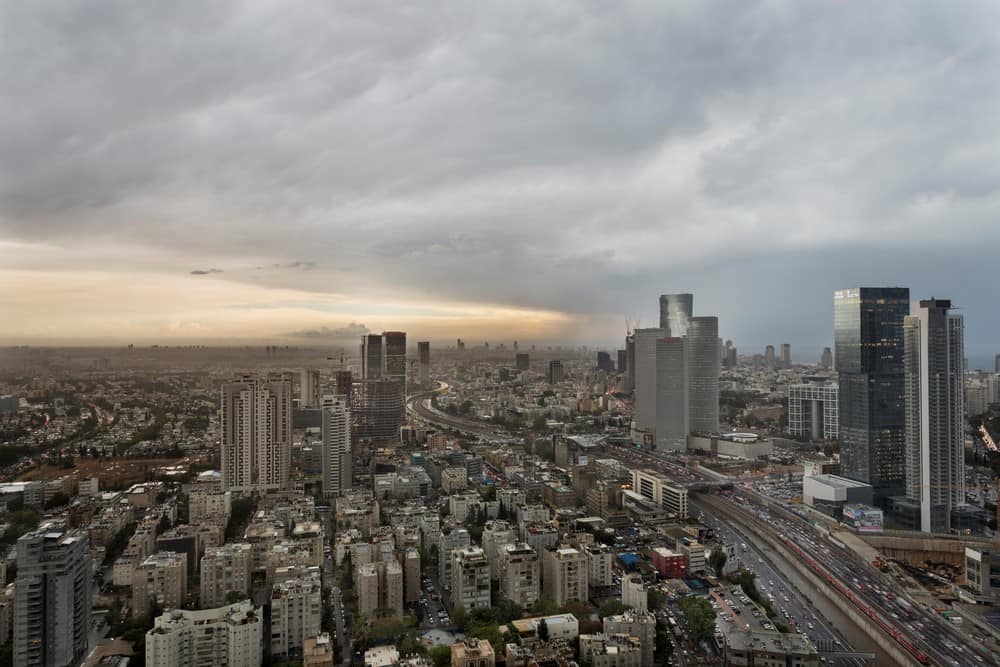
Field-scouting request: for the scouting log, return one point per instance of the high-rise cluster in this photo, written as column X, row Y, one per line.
column 674, row 374
column 902, row 402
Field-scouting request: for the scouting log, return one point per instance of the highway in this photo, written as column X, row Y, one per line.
column 420, row 406
column 831, row 630
column 929, row 635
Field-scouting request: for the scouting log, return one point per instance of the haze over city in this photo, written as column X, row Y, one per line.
column 180, row 173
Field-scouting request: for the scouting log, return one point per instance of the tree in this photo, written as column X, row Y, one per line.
column 441, row 656
column 544, row 607
column 347, row 575
column 700, row 618
column 460, row 617
column 612, row 607
column 543, row 630
column 655, row 599
column 717, row 559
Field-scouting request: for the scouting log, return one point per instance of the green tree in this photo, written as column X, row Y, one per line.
column 717, row 559
column 460, row 617
column 655, row 599
column 700, row 618
column 612, row 607
column 441, row 656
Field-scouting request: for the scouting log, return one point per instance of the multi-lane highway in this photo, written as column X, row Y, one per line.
column 789, row 594
column 923, row 633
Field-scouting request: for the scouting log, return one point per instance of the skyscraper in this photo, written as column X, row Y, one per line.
column 604, row 362
column 395, row 356
column 769, row 357
column 336, row 434
column 642, row 367
column 556, row 371
column 309, row 395
column 868, row 342
column 935, row 412
column 521, row 361
column 622, row 361
column 52, row 597
column 371, row 357
column 256, row 418
column 701, row 345
column 826, row 359
column 423, row 363
column 673, row 393
column 381, row 410
column 342, row 383
column 786, row 355
column 675, row 312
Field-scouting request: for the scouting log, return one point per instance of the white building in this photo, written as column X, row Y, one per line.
column 296, row 613
column 230, row 635
column 634, row 592
column 336, row 436
column 934, row 352
column 661, row 491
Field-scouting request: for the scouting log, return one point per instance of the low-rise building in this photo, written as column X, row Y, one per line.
column 318, row 651
column 472, row 652
column 670, row 564
column 619, row 650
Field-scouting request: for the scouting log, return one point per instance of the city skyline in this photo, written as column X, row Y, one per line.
column 449, row 176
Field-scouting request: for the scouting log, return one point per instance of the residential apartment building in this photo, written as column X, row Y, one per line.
column 230, row 635
column 565, row 575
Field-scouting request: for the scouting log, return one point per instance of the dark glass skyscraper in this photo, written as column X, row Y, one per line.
column 868, row 341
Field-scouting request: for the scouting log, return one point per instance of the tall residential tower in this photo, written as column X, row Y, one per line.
column 52, row 598
column 256, row 417
column 935, row 412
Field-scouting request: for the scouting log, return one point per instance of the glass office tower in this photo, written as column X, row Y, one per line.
column 868, row 338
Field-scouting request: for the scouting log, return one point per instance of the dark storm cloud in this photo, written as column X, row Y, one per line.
column 582, row 157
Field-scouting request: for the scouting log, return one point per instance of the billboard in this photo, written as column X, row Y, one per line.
column 864, row 518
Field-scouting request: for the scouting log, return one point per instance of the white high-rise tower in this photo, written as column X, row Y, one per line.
column 336, row 458
column 934, row 350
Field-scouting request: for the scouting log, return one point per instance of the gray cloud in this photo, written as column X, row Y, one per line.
column 578, row 157
column 205, row 272
column 352, row 330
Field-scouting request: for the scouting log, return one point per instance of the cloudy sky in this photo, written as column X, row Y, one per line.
column 213, row 171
